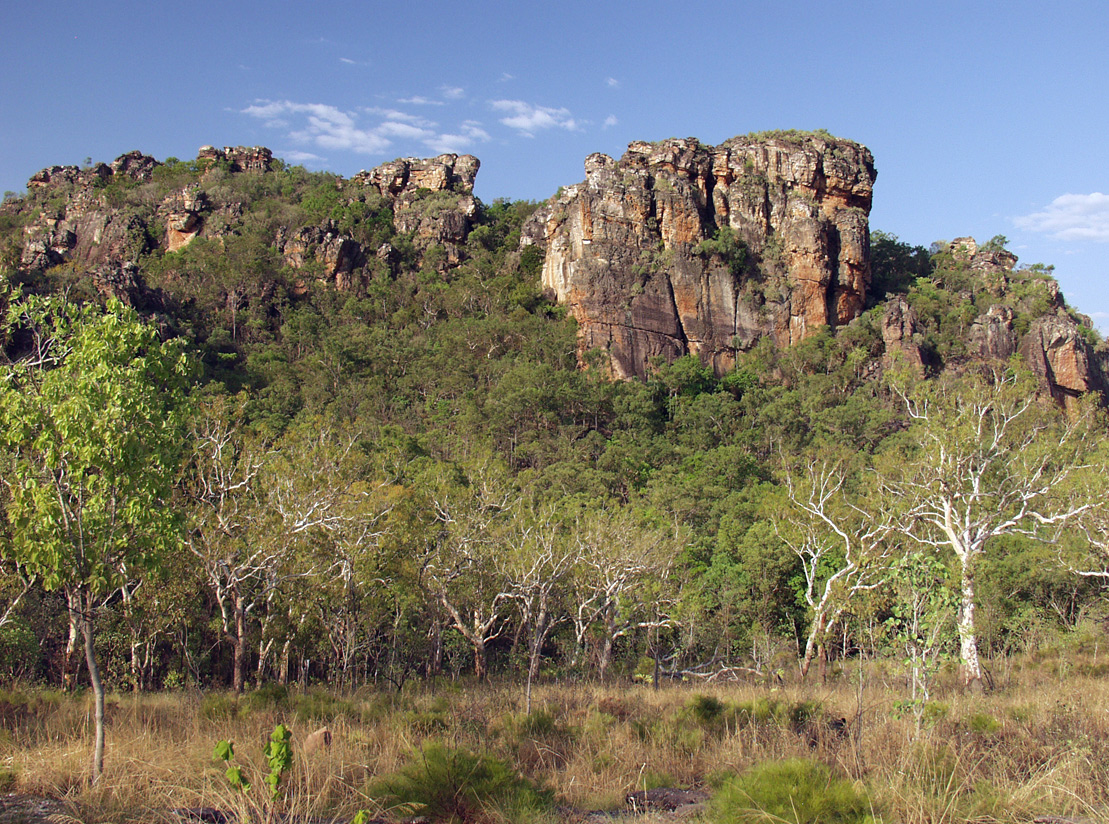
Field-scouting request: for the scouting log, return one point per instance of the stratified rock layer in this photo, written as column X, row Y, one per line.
column 683, row 248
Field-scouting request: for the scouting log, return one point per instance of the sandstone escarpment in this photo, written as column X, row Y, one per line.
column 431, row 198
column 683, row 248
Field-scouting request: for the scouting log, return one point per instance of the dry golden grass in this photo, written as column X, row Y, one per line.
column 1037, row 747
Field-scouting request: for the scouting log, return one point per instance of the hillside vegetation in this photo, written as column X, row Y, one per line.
column 388, row 463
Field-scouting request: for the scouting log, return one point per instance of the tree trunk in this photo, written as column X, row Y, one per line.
column 968, row 638
column 239, row 645
column 283, row 662
column 70, row 663
column 136, row 666
column 97, row 691
column 435, row 660
column 811, row 645
column 607, row 643
column 480, row 667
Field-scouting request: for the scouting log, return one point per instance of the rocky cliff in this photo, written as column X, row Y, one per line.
column 98, row 222
column 1024, row 314
column 683, row 248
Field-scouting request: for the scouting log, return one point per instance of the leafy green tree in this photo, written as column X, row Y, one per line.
column 90, row 413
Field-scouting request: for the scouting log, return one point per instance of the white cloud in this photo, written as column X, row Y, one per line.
column 612, row 82
column 470, row 134
column 297, row 156
column 1071, row 217
column 348, row 61
column 505, row 77
column 453, row 92
column 321, row 126
column 528, row 118
column 610, row 121
column 420, row 101
column 402, row 117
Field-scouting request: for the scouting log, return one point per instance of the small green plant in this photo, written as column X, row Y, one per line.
column 456, row 785
column 279, row 758
column 795, row 791
column 983, row 723
column 707, row 709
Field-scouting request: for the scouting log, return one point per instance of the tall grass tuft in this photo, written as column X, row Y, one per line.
column 456, row 785
column 794, row 791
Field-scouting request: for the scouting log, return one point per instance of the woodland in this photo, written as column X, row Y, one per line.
column 265, row 484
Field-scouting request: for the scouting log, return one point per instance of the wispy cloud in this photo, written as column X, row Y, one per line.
column 528, row 119
column 348, row 61
column 470, row 133
column 452, row 92
column 297, row 156
column 419, row 101
column 1071, row 217
column 610, row 121
column 612, row 82
column 321, row 126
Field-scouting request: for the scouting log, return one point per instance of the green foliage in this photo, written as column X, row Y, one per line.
column 796, row 791
column 727, row 247
column 279, row 758
column 894, row 266
column 20, row 648
column 92, row 418
column 456, row 785
column 796, row 136
column 706, row 709
column 218, row 706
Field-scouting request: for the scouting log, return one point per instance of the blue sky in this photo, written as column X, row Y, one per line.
column 984, row 118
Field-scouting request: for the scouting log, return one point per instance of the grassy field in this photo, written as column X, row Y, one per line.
column 1038, row 746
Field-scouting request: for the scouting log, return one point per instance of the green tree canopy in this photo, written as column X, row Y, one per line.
column 89, row 418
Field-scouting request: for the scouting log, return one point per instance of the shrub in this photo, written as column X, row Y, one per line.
column 707, row 709
column 796, row 791
column 267, row 696
column 983, row 723
column 219, row 706
column 457, row 785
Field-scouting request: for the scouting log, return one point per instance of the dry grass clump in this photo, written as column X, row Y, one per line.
column 1020, row 752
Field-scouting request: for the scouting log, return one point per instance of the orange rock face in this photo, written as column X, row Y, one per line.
column 679, row 248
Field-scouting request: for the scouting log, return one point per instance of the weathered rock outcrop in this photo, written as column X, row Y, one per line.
column 1063, row 357
column 683, row 248
column 239, row 158
column 184, row 217
column 1059, row 347
column 432, row 198
column 901, row 335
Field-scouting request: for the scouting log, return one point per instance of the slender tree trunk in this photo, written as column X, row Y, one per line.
column 97, row 690
column 607, row 644
column 480, row 666
column 239, row 644
column 283, row 662
column 813, row 644
column 435, row 663
column 136, row 666
column 968, row 637
column 70, row 661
